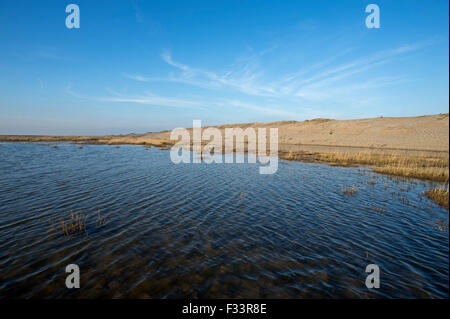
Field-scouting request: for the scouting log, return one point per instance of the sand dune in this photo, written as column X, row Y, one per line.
column 429, row 133
column 425, row 133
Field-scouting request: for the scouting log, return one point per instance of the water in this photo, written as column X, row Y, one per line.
column 215, row 231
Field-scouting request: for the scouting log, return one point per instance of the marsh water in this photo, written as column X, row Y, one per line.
column 211, row 230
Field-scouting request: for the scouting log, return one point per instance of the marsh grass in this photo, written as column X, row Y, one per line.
column 350, row 190
column 440, row 195
column 77, row 224
column 439, row 174
column 442, row 225
column 428, row 167
column 100, row 221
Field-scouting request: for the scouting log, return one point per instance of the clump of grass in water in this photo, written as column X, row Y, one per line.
column 442, row 225
column 350, row 190
column 75, row 224
column 100, row 221
column 440, row 195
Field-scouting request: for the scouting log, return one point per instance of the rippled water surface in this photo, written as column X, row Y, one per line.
column 217, row 230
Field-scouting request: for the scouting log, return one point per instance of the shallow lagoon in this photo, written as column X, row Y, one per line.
column 211, row 230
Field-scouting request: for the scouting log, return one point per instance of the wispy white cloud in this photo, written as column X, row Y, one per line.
column 247, row 77
column 153, row 100
column 214, row 104
column 276, row 110
column 48, row 53
column 147, row 99
column 242, row 78
column 68, row 90
column 334, row 79
column 137, row 77
column 166, row 56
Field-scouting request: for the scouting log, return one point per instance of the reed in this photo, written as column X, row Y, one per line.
column 100, row 221
column 434, row 168
column 440, row 195
column 438, row 174
column 350, row 190
column 75, row 224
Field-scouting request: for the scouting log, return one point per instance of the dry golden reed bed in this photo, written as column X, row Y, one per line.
column 439, row 195
column 434, row 168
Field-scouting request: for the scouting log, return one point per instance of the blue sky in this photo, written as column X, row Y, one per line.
column 138, row 66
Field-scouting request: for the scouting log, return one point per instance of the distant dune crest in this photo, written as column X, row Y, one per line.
column 427, row 133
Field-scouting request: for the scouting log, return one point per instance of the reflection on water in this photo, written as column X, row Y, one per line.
column 217, row 230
